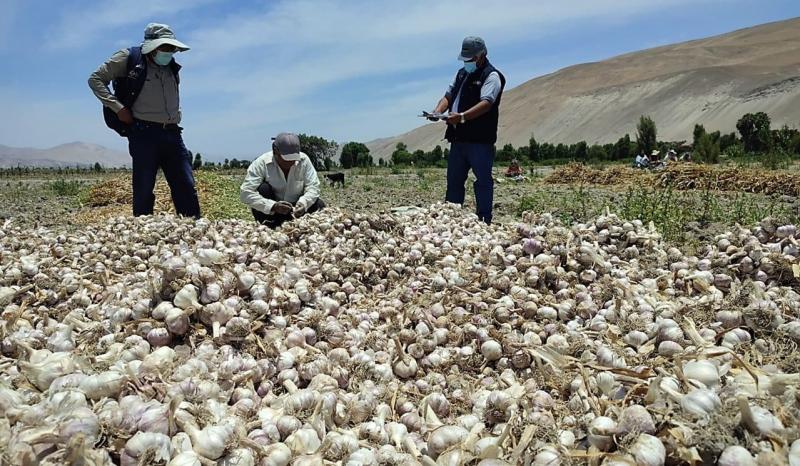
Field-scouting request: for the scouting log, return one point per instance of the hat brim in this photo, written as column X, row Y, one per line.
column 150, row 45
column 463, row 57
column 291, row 157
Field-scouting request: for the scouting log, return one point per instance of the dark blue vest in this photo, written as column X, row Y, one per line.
column 127, row 89
column 484, row 128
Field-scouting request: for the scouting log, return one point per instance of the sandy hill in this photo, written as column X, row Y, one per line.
column 712, row 81
column 65, row 155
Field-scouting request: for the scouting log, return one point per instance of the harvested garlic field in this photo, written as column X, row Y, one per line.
column 570, row 334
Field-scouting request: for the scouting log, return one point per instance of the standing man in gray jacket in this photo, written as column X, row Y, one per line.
column 145, row 108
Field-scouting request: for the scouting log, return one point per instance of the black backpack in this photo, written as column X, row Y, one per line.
column 127, row 89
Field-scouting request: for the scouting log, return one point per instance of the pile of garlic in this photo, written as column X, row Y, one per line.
column 428, row 338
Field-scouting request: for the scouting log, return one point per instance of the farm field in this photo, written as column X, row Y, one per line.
column 681, row 215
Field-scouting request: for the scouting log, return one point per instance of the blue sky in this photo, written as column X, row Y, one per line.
column 344, row 70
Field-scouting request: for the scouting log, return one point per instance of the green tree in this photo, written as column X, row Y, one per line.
column 547, row 151
column 562, row 152
column 505, row 154
column 581, row 151
column 755, row 132
column 622, row 149
column 597, row 152
column 97, row 167
column 783, row 138
column 533, row 149
column 699, row 131
column 401, row 156
column 646, row 135
column 197, row 162
column 436, row 154
column 355, row 154
column 706, row 150
column 318, row 149
column 795, row 145
column 226, row 164
column 726, row 141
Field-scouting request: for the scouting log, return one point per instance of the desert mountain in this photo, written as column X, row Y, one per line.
column 65, row 155
column 712, row 81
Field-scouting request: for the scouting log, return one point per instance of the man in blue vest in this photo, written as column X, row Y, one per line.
column 145, row 108
column 473, row 101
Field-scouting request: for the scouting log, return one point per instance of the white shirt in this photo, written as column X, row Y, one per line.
column 490, row 89
column 301, row 187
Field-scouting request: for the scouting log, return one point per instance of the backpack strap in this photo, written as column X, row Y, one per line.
column 127, row 89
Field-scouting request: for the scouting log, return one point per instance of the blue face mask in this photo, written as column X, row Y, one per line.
column 470, row 66
column 163, row 58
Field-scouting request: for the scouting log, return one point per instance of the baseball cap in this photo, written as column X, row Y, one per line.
column 471, row 47
column 288, row 145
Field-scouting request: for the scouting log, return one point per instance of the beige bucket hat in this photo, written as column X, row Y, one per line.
column 156, row 35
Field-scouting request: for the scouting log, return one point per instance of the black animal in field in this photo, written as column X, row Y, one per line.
column 335, row 178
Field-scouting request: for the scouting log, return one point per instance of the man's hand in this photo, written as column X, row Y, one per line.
column 281, row 208
column 299, row 210
column 454, row 119
column 125, row 116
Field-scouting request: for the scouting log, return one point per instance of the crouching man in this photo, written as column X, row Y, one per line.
column 281, row 184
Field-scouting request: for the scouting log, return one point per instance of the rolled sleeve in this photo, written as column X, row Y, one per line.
column 115, row 67
column 310, row 186
column 491, row 87
column 248, row 192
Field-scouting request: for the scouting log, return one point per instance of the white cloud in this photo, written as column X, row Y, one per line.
column 279, row 65
column 81, row 26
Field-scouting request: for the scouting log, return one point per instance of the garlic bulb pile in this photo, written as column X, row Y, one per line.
column 379, row 339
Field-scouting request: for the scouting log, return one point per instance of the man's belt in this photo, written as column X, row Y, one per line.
column 153, row 124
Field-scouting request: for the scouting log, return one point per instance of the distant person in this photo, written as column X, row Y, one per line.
column 653, row 159
column 145, row 108
column 671, row 156
column 641, row 161
column 514, row 169
column 282, row 184
column 473, row 101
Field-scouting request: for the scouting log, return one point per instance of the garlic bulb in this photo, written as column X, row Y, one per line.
column 491, row 350
column 186, row 298
column 759, row 420
column 648, row 451
column 702, row 371
column 601, row 432
column 736, row 455
column 443, row 438
column 794, row 454
column 303, row 441
column 146, row 444
column 636, row 418
column 186, row 458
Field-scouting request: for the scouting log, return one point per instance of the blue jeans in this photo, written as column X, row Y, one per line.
column 480, row 158
column 152, row 147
